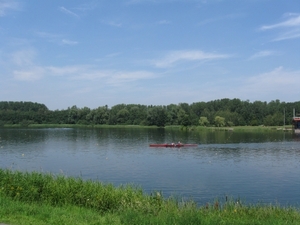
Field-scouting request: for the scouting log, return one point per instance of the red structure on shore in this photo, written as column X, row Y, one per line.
column 296, row 124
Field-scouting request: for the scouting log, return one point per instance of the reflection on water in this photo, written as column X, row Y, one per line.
column 257, row 167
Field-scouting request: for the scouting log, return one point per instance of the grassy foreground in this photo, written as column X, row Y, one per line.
column 36, row 198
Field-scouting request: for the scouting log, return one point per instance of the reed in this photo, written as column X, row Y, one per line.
column 58, row 190
column 169, row 127
column 36, row 198
column 242, row 129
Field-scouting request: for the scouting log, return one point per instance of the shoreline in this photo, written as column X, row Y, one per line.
column 187, row 128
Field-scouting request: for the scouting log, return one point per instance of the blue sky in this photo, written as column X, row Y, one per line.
column 153, row 52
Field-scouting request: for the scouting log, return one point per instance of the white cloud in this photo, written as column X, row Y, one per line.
column 291, row 22
column 47, row 35
column 164, row 22
column 276, row 77
column 25, row 69
column 112, row 23
column 221, row 18
column 117, row 78
column 163, row 1
column 55, row 38
column 261, row 54
column 23, row 57
column 142, row 1
column 66, row 70
column 113, row 54
column 276, row 82
column 86, row 6
column 32, row 74
column 290, row 27
column 68, row 12
column 288, row 35
column 68, row 42
column 8, row 5
column 107, row 77
column 174, row 57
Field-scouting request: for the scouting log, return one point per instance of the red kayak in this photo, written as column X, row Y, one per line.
column 173, row 145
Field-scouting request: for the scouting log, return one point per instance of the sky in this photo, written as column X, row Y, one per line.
column 94, row 53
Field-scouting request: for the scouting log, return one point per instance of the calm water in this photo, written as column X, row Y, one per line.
column 256, row 167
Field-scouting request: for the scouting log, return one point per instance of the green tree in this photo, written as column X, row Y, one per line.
column 73, row 115
column 123, row 116
column 172, row 114
column 278, row 119
column 82, row 115
column 183, row 118
column 219, row 121
column 99, row 115
column 113, row 117
column 137, row 113
column 203, row 121
column 268, row 121
column 156, row 116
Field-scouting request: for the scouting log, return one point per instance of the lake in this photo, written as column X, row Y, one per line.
column 262, row 167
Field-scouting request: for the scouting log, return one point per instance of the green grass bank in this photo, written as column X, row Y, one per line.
column 287, row 128
column 37, row 198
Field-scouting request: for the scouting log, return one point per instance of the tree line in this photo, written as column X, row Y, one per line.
column 222, row 112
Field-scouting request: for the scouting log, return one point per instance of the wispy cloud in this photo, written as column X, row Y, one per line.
column 68, row 42
column 220, row 18
column 117, row 78
column 113, row 54
column 268, row 86
column 112, row 23
column 67, row 70
column 25, row 69
column 291, row 22
column 105, row 77
column 56, row 38
column 23, row 58
column 8, row 5
column 275, row 78
column 272, row 83
column 86, row 7
column 81, row 73
column 288, row 35
column 50, row 37
column 180, row 56
column 47, row 35
column 31, row 74
column 290, row 27
column 68, row 12
column 164, row 22
column 111, row 77
column 262, row 54
column 142, row 1
column 163, row 1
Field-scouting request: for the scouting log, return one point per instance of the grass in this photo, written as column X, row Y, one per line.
column 178, row 127
column 22, row 213
column 36, row 198
column 73, row 126
column 242, row 128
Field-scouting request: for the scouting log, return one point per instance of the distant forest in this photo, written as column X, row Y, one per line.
column 223, row 112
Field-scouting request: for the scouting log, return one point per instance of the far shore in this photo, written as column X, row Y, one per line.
column 287, row 128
